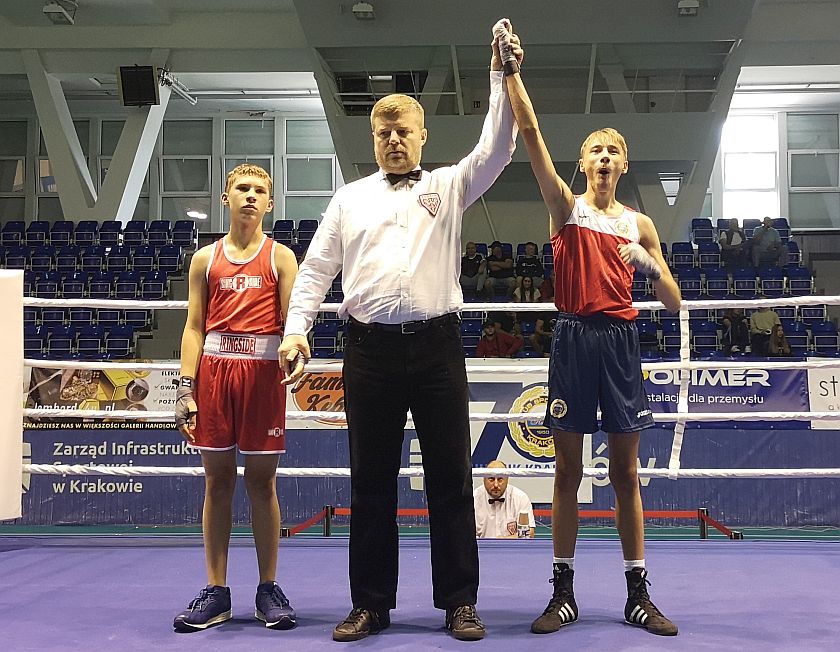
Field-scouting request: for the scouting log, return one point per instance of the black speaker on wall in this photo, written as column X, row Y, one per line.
column 138, row 85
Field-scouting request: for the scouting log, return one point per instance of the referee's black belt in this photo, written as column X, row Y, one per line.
column 410, row 327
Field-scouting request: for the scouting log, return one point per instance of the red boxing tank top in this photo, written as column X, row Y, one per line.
column 590, row 277
column 242, row 295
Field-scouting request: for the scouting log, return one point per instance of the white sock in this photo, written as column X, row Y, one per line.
column 569, row 561
column 630, row 564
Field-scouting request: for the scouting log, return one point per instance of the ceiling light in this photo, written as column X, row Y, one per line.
column 363, row 11
column 196, row 215
column 61, row 12
column 167, row 79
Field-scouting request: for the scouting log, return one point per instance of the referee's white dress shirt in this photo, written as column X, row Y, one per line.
column 399, row 247
column 499, row 520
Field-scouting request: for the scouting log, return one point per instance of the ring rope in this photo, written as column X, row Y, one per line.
column 300, row 415
column 417, row 472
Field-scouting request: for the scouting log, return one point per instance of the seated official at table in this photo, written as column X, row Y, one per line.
column 498, row 505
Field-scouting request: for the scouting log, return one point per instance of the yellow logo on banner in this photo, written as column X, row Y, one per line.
column 531, row 436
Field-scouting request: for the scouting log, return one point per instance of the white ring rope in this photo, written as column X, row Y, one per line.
column 685, row 365
column 417, row 472
column 338, row 417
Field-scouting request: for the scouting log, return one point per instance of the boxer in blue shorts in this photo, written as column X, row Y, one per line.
column 598, row 244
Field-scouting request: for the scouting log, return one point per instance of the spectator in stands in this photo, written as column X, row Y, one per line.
column 732, row 245
column 543, row 332
column 500, row 272
column 529, row 265
column 507, row 321
column 473, row 270
column 547, row 287
column 495, row 343
column 498, row 506
column 778, row 346
column 735, row 331
column 525, row 291
column 767, row 246
column 762, row 323
column 230, row 394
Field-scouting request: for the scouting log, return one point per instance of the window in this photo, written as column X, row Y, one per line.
column 749, row 148
column 813, row 141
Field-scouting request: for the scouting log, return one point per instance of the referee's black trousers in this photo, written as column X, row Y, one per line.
column 385, row 375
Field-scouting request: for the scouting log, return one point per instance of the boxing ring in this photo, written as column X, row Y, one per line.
column 122, row 591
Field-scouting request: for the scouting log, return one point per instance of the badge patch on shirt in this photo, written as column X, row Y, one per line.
column 511, row 527
column 431, row 202
column 622, row 227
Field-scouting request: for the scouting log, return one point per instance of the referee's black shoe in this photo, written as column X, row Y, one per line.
column 464, row 623
column 359, row 623
column 561, row 609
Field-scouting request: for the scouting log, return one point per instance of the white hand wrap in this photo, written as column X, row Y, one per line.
column 183, row 398
column 643, row 261
column 501, row 31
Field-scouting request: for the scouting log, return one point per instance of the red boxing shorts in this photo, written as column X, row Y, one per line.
column 241, row 401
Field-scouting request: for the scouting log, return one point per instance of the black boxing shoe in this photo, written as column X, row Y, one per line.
column 561, row 609
column 640, row 611
column 360, row 623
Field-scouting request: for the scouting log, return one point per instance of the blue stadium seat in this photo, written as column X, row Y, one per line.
column 306, row 229
column 690, row 283
column 824, row 334
column 702, row 230
column 800, row 281
column 109, row 233
column 794, row 254
column 137, row 318
column 127, row 285
column 12, row 234
column 481, row 247
column 60, row 340
column 82, row 316
column 771, row 281
column 61, row 233
column 67, row 258
column 283, row 231
column 144, row 258
column 154, row 286
column 783, row 227
column 134, row 233
column 119, row 341
column 47, row 285
column 41, row 258
column 721, row 225
column 53, row 317
column 159, row 233
column 86, row 233
column 749, row 225
column 797, row 337
column 670, row 333
column 118, row 259
column 185, row 234
column 299, row 250
column 640, row 286
column 744, row 282
column 34, row 340
column 812, row 314
column 648, row 335
column 92, row 259
column 708, row 254
column 682, row 254
column 101, row 285
column 704, row 336
column 170, row 259
column 90, row 341
column 31, row 315
column 108, row 317
column 37, row 233
column 17, row 257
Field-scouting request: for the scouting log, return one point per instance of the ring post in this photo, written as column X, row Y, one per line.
column 11, row 393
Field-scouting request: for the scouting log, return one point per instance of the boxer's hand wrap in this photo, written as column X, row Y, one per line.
column 501, row 31
column 183, row 398
column 639, row 258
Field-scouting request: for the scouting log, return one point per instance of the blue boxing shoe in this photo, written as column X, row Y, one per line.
column 210, row 607
column 273, row 608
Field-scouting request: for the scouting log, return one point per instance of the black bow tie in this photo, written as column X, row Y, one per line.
column 496, row 500
column 394, row 179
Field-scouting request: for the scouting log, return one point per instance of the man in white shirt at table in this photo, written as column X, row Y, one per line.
column 498, row 505
column 396, row 238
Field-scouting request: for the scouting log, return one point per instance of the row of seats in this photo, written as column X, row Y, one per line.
column 139, row 319
column 718, row 282
column 129, row 284
column 91, row 342
column 288, row 233
column 702, row 229
column 707, row 254
column 69, row 258
column 157, row 233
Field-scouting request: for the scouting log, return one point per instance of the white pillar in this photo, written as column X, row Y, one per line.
column 11, row 393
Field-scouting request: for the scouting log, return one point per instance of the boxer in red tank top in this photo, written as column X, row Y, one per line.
column 595, row 362
column 231, row 394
